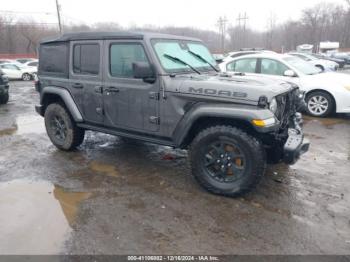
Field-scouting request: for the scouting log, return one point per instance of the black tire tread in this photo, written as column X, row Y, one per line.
column 258, row 171
column 4, row 99
column 78, row 133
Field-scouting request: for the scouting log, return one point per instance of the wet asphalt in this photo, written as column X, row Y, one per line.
column 113, row 196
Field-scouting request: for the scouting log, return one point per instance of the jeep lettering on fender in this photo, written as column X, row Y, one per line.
column 168, row 90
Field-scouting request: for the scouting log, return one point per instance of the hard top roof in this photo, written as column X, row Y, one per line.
column 113, row 35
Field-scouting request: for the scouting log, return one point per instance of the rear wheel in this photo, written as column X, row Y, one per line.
column 4, row 98
column 320, row 67
column 26, row 77
column 61, row 128
column 319, row 104
column 227, row 161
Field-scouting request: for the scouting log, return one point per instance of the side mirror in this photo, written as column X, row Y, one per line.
column 143, row 70
column 289, row 73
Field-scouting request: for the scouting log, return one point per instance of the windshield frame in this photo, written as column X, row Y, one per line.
column 186, row 70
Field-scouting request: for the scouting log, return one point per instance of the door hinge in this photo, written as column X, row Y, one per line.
column 154, row 95
column 154, row 120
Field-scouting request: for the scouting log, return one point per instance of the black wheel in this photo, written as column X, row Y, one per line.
column 319, row 104
column 26, row 77
column 61, row 128
column 320, row 67
column 4, row 99
column 227, row 161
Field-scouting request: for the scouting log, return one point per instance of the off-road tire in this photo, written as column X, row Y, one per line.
column 74, row 135
column 328, row 97
column 255, row 165
column 4, row 99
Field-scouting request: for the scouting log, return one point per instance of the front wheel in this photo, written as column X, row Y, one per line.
column 4, row 99
column 26, row 77
column 319, row 104
column 226, row 160
column 61, row 128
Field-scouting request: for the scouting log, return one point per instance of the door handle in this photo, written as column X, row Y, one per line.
column 78, row 85
column 112, row 89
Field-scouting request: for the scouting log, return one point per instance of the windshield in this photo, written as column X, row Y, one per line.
column 180, row 49
column 302, row 66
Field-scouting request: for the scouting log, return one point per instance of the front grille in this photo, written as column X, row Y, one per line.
column 286, row 104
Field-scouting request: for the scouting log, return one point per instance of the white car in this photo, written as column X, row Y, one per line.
column 326, row 92
column 324, row 65
column 16, row 71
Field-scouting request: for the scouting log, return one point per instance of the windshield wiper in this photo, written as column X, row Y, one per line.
column 202, row 59
column 176, row 59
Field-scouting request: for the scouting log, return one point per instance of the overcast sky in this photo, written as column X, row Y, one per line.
column 194, row 13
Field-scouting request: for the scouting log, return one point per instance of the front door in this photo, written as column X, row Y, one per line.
column 86, row 79
column 129, row 103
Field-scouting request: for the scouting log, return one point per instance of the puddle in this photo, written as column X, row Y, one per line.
column 105, row 169
column 30, row 124
column 8, row 131
column 36, row 217
column 327, row 122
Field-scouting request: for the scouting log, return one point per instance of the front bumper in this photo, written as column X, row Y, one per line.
column 295, row 146
column 39, row 109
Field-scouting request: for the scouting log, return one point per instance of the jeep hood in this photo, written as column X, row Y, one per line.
column 233, row 86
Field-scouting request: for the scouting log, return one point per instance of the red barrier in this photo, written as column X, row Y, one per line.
column 16, row 56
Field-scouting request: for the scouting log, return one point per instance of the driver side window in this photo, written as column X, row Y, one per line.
column 246, row 65
column 272, row 67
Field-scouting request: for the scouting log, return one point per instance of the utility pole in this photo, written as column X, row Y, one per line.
column 58, row 7
column 222, row 31
column 244, row 19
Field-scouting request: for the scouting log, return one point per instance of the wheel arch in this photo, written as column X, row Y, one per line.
column 52, row 94
column 204, row 122
column 324, row 91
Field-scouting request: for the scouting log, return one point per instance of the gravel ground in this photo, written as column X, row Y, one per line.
column 116, row 197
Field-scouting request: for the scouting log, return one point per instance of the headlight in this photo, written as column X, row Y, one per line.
column 273, row 105
column 347, row 87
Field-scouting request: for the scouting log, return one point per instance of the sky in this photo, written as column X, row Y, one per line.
column 193, row 13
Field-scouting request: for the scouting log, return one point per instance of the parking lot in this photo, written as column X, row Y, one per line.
column 113, row 196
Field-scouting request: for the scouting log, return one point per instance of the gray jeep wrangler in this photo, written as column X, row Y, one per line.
column 167, row 90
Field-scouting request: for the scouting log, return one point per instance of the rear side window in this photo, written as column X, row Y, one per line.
column 86, row 59
column 54, row 59
column 122, row 56
column 246, row 65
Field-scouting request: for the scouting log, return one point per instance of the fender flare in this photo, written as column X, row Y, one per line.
column 67, row 99
column 228, row 111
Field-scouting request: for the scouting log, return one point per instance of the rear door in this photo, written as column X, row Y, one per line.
column 129, row 103
column 86, row 78
column 243, row 65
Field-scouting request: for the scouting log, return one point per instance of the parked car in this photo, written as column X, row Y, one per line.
column 25, row 60
column 245, row 51
column 33, row 63
column 326, row 92
column 344, row 56
column 340, row 62
column 324, row 65
column 3, row 61
column 4, row 88
column 167, row 90
column 15, row 71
